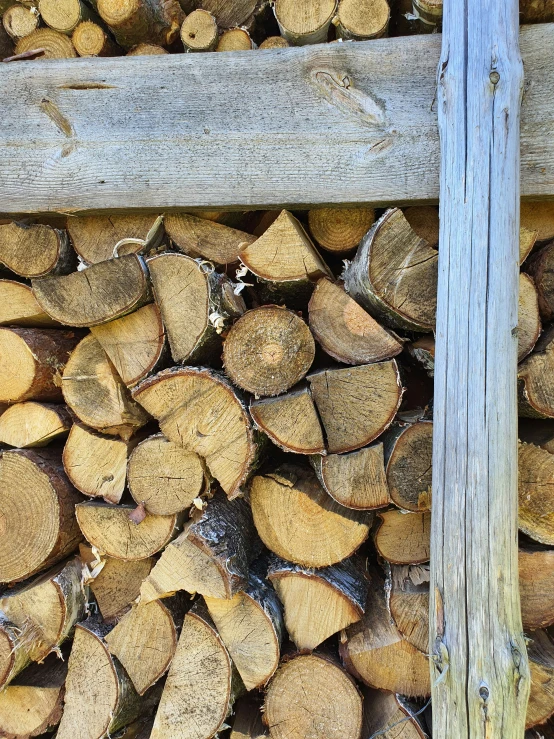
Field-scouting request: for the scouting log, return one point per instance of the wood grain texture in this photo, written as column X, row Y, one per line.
column 97, row 143
column 480, row 673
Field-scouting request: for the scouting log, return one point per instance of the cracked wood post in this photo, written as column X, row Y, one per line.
column 480, row 673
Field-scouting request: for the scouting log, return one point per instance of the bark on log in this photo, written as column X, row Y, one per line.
column 210, row 557
column 311, row 695
column 388, row 716
column 536, row 478
column 290, row 421
column 19, row 21
column 163, row 476
column 340, row 230
column 409, row 603
column 408, row 454
column 55, row 45
column 297, row 520
column 536, row 587
column 423, row 350
column 268, row 350
column 235, row 39
column 368, row 398
column 424, row 220
column 37, row 513
column 137, row 21
column 394, row 274
column 344, row 329
column 95, row 393
column 355, row 480
column 35, row 250
column 305, row 23
column 360, row 20
column 229, row 13
column 27, row 425
column 250, row 624
column 94, row 237
column 541, row 267
column 538, row 215
column 18, row 307
column 98, row 294
column 198, row 409
column 529, row 321
column 201, row 238
column 248, row 723
column 198, row 33
column 64, row 15
column 404, row 538
column 535, row 389
column 541, row 663
column 90, row 39
column 110, row 530
column 319, row 603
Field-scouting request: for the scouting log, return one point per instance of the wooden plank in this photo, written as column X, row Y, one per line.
column 334, row 123
column 480, row 671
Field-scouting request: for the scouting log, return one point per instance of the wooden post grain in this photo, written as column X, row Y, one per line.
column 479, row 667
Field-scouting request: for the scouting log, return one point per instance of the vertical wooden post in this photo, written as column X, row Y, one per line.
column 479, row 668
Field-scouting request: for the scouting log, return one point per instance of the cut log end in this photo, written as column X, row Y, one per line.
column 404, row 538
column 409, row 460
column 30, row 424
column 339, row 230
column 308, row 24
column 205, row 239
column 18, row 307
column 362, row 20
column 55, row 45
column 199, row 32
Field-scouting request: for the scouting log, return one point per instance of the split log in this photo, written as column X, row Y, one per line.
column 404, row 538
column 429, row 12
column 304, row 24
column 64, row 15
column 153, row 21
column 394, row 274
column 538, row 215
column 268, row 350
column 199, row 409
column 134, row 344
column 147, row 50
column 541, row 267
column 12, row 659
column 198, row 33
column 55, row 45
column 297, row 520
column 210, row 557
column 98, row 294
column 540, row 650
column 529, row 322
column 37, row 515
column 535, row 389
column 389, row 716
column 536, row 481
column 98, row 693
column 19, row 21
column 536, row 11
column 285, row 259
column 18, row 307
column 229, row 13
column 319, row 603
column 35, row 250
column 362, row 20
column 94, row 237
column 32, row 362
column 90, row 39
column 374, row 650
column 205, row 239
column 30, row 424
column 248, row 723
column 355, row 480
column 96, row 464
column 340, row 230
column 527, row 240
column 95, row 393
column 409, row 603
column 235, row 39
column 197, row 304
column 145, row 640
column 311, row 695
column 537, row 432
column 424, row 220
column 274, row 42
column 33, row 703
column 408, row 451
column 368, row 398
column 202, row 683
column 344, row 329
column 164, row 477
column 536, row 587
column 250, row 624
column 290, row 421
column 423, row 351
column 112, row 532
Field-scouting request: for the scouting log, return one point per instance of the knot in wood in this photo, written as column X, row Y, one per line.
column 494, row 77
column 484, row 692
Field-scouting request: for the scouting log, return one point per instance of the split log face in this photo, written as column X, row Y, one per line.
column 200, row 690
column 199, row 33
column 20, row 21
column 268, row 350
column 339, row 230
column 198, row 409
column 250, row 625
column 527, row 240
column 374, row 650
column 210, row 557
column 248, row 723
column 306, row 23
column 536, row 478
column 536, row 393
column 541, row 267
column 90, row 39
column 424, row 220
column 95, row 464
column 538, row 215
column 136, row 21
column 37, row 513
column 540, row 650
column 30, row 424
column 297, row 520
column 235, row 39
column 409, row 451
column 529, row 322
column 290, row 421
column 362, row 20
column 404, row 538
column 35, row 250
column 99, row 697
column 95, row 393
column 394, row 274
column 409, row 603
column 98, row 294
column 134, row 344
column 344, row 329
column 32, row 362
column 319, row 603
column 18, row 307
column 229, row 13
column 163, row 476
column 311, row 695
column 356, row 480
column 205, row 239
column 368, row 398
column 387, row 716
column 110, row 530
column 536, row 587
column 56, row 45
column 94, row 237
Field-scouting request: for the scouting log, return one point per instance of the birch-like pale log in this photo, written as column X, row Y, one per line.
column 480, row 673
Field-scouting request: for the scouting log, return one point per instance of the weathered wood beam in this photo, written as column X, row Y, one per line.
column 335, row 123
column 480, row 671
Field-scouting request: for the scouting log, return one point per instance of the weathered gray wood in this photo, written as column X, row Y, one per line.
column 480, row 673
column 333, row 123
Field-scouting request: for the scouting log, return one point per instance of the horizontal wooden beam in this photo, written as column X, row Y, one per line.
column 333, row 123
